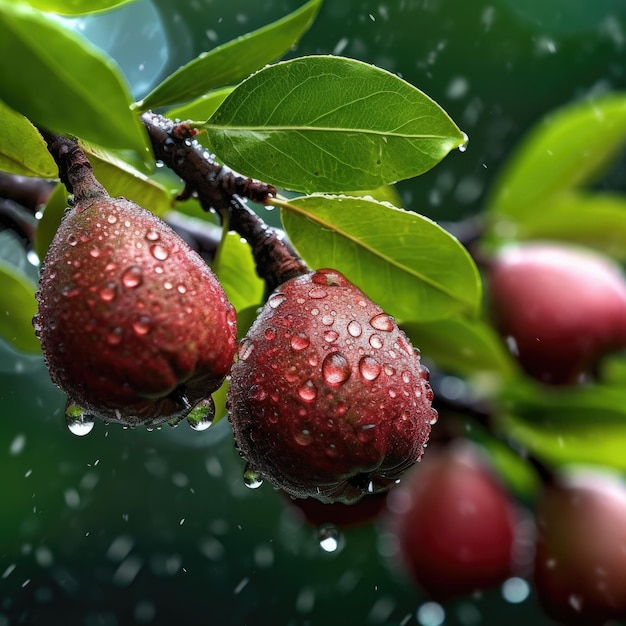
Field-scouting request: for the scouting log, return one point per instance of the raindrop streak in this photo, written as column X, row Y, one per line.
column 79, row 422
column 251, row 478
column 328, row 536
column 202, row 415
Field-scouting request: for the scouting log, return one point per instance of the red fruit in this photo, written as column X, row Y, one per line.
column 580, row 563
column 134, row 326
column 340, row 514
column 559, row 307
column 328, row 398
column 454, row 522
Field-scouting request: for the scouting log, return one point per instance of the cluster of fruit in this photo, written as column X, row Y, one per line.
column 329, row 401
column 327, row 397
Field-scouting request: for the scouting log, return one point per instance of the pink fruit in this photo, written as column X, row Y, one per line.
column 134, row 325
column 328, row 398
column 560, row 308
column 455, row 523
column 580, row 564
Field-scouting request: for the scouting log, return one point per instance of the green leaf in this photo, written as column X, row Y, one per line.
column 121, row 179
column 202, row 108
column 324, row 123
column 462, row 346
column 564, row 425
column 64, row 83
column 596, row 220
column 233, row 61
column 52, row 216
column 17, row 307
column 568, row 149
column 22, row 149
column 235, row 268
column 76, row 7
column 591, row 442
column 408, row 264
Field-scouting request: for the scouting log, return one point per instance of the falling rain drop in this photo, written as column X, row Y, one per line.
column 251, row 478
column 202, row 415
column 329, row 537
column 79, row 422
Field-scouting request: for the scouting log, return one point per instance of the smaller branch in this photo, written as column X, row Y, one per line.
column 75, row 170
column 221, row 189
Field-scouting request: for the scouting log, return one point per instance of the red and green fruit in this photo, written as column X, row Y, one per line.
column 559, row 307
column 134, row 326
column 328, row 398
column 455, row 523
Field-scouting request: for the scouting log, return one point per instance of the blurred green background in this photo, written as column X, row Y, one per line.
column 133, row 527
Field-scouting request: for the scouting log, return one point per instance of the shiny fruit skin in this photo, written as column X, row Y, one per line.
column 133, row 324
column 580, row 559
column 328, row 398
column 455, row 523
column 560, row 308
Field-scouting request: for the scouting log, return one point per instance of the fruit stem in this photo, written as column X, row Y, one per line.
column 219, row 188
column 75, row 170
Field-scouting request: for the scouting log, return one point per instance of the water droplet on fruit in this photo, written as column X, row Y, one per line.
column 308, row 391
column 159, row 252
column 112, row 219
column 132, row 277
column 317, row 293
column 95, row 253
column 329, row 537
column 328, row 320
column 79, row 422
column 300, row 342
column 406, row 377
column 376, row 342
column 382, row 322
column 335, row 369
column 202, row 415
column 303, row 437
column 270, row 333
column 354, row 328
column 369, row 368
column 276, row 299
column 251, row 478
column 245, row 349
column 107, row 293
column 72, row 240
column 330, row 336
column 114, row 338
column 152, row 235
column 142, row 325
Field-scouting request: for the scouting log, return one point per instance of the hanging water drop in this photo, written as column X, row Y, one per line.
column 329, row 537
column 251, row 478
column 202, row 415
column 79, row 422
